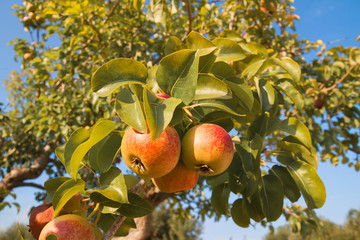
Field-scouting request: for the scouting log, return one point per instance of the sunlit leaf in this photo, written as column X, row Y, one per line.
column 115, row 73
column 210, row 87
column 290, row 66
column 229, row 50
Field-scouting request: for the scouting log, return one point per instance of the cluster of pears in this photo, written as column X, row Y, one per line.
column 71, row 224
column 174, row 165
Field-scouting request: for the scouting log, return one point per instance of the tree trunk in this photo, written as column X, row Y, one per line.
column 144, row 229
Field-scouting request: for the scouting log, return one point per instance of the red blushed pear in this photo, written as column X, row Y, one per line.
column 179, row 179
column 151, row 159
column 70, row 227
column 39, row 217
column 207, row 149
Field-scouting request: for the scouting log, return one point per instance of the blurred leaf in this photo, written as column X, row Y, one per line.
column 129, row 108
column 66, row 191
column 158, row 113
column 309, row 183
column 101, row 155
column 177, row 74
column 115, row 73
column 220, row 198
column 239, row 214
column 272, row 196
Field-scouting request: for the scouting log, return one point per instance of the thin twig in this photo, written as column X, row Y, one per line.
column 326, row 90
column 114, row 227
column 188, row 6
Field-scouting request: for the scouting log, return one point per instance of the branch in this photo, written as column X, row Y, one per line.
column 326, row 90
column 188, row 6
column 16, row 177
column 111, row 12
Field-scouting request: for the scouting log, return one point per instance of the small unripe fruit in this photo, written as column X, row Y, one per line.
column 162, row 96
column 319, row 102
column 207, row 149
column 149, row 158
column 31, row 15
column 290, row 18
column 179, row 179
column 69, row 227
column 27, row 56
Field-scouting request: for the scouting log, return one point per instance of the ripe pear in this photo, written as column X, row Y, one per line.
column 39, row 217
column 69, row 227
column 179, row 179
column 207, row 149
column 147, row 158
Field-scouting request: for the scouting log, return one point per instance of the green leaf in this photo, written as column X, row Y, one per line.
column 239, row 214
column 254, row 207
column 297, row 129
column 291, row 190
column 112, row 186
column 229, row 50
column 207, row 57
column 195, row 41
column 101, row 155
column 115, row 73
column 66, row 191
column 290, row 66
column 289, row 89
column 216, row 105
column 219, row 118
column 173, row 44
column 100, row 130
column 258, row 126
column 272, row 196
column 266, row 94
column 218, row 179
column 53, row 184
column 138, row 4
column 309, row 183
column 253, row 67
column 242, row 91
column 177, row 74
column 291, row 145
column 158, row 113
column 210, row 87
column 220, row 198
column 59, row 152
column 106, row 220
column 238, row 178
column 138, row 207
column 129, row 109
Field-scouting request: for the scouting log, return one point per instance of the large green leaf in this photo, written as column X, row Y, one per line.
column 297, row 129
column 254, row 67
column 75, row 151
column 52, row 185
column 137, row 207
column 158, row 113
column 66, row 191
column 101, row 155
column 220, row 198
column 291, row 145
column 272, row 197
column 242, row 91
column 309, row 183
column 238, row 178
column 254, row 207
column 216, row 104
column 129, row 108
column 239, row 214
column 210, row 87
column 289, row 89
column 177, row 74
column 266, row 94
column 290, row 66
column 229, row 50
column 291, row 190
column 115, row 73
column 173, row 44
column 195, row 41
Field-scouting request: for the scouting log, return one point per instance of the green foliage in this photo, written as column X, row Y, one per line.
column 76, row 98
column 16, row 231
column 167, row 225
column 321, row 229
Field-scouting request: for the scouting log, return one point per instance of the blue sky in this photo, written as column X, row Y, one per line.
column 328, row 20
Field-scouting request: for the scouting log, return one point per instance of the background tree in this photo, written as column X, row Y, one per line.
column 15, row 231
column 51, row 96
column 325, row 229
